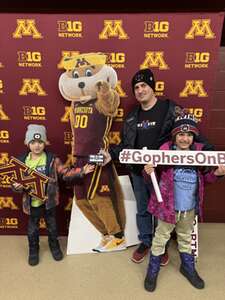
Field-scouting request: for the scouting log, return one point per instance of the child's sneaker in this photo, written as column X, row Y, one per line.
column 114, row 244
column 55, row 249
column 33, row 258
column 103, row 242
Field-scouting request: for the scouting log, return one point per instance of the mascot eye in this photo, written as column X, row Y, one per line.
column 88, row 73
column 75, row 74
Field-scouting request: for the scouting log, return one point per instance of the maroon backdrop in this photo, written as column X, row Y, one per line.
column 180, row 48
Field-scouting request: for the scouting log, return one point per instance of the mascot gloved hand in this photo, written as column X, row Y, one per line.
column 90, row 86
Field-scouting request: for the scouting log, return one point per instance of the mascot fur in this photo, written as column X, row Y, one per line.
column 89, row 84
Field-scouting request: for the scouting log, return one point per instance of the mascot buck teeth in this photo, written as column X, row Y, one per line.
column 90, row 86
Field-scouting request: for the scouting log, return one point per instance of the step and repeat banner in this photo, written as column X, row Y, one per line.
column 180, row 48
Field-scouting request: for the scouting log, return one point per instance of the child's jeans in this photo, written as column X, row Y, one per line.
column 34, row 219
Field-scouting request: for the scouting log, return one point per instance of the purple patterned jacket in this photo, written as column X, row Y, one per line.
column 165, row 210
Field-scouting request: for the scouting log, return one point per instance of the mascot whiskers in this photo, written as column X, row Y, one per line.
column 90, row 86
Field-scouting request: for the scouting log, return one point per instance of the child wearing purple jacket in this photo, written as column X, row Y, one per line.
column 182, row 193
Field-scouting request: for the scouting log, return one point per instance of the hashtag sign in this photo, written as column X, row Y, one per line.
column 124, row 156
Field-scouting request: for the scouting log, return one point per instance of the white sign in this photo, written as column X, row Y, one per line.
column 172, row 157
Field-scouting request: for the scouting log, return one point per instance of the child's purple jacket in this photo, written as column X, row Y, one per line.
column 165, row 210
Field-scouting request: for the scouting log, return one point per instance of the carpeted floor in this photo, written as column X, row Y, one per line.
column 109, row 275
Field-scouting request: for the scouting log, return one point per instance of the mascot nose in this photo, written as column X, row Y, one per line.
column 81, row 85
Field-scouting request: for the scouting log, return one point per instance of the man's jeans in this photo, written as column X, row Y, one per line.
column 145, row 221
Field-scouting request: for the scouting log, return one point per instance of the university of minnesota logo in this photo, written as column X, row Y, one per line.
column 113, row 28
column 31, row 86
column 26, row 27
column 3, row 115
column 7, row 202
column 154, row 59
column 120, row 90
column 193, row 88
column 200, row 27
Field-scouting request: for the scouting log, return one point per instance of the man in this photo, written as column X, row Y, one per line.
column 148, row 125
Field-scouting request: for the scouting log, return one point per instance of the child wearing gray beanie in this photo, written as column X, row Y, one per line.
column 46, row 163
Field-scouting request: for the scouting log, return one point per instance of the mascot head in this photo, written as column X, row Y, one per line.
column 83, row 72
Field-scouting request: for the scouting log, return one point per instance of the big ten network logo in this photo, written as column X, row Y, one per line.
column 154, row 59
column 9, row 223
column 29, row 59
column 156, row 29
column 3, row 115
column 70, row 29
column 197, row 112
column 114, row 137
column 68, row 137
column 197, row 60
column 113, row 29
column 4, row 136
column 120, row 115
column 200, row 27
column 8, row 203
column 26, row 27
column 193, row 88
column 34, row 113
column 159, row 88
column 32, row 86
column 116, row 60
column 64, row 54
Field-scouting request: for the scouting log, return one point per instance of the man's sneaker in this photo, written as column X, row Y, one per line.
column 140, row 253
column 114, row 244
column 103, row 242
column 164, row 259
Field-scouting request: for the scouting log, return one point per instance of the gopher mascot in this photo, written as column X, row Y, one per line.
column 89, row 84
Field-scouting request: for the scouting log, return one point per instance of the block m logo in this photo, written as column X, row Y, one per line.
column 154, row 59
column 193, row 87
column 32, row 86
column 26, row 27
column 200, row 27
column 113, row 28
